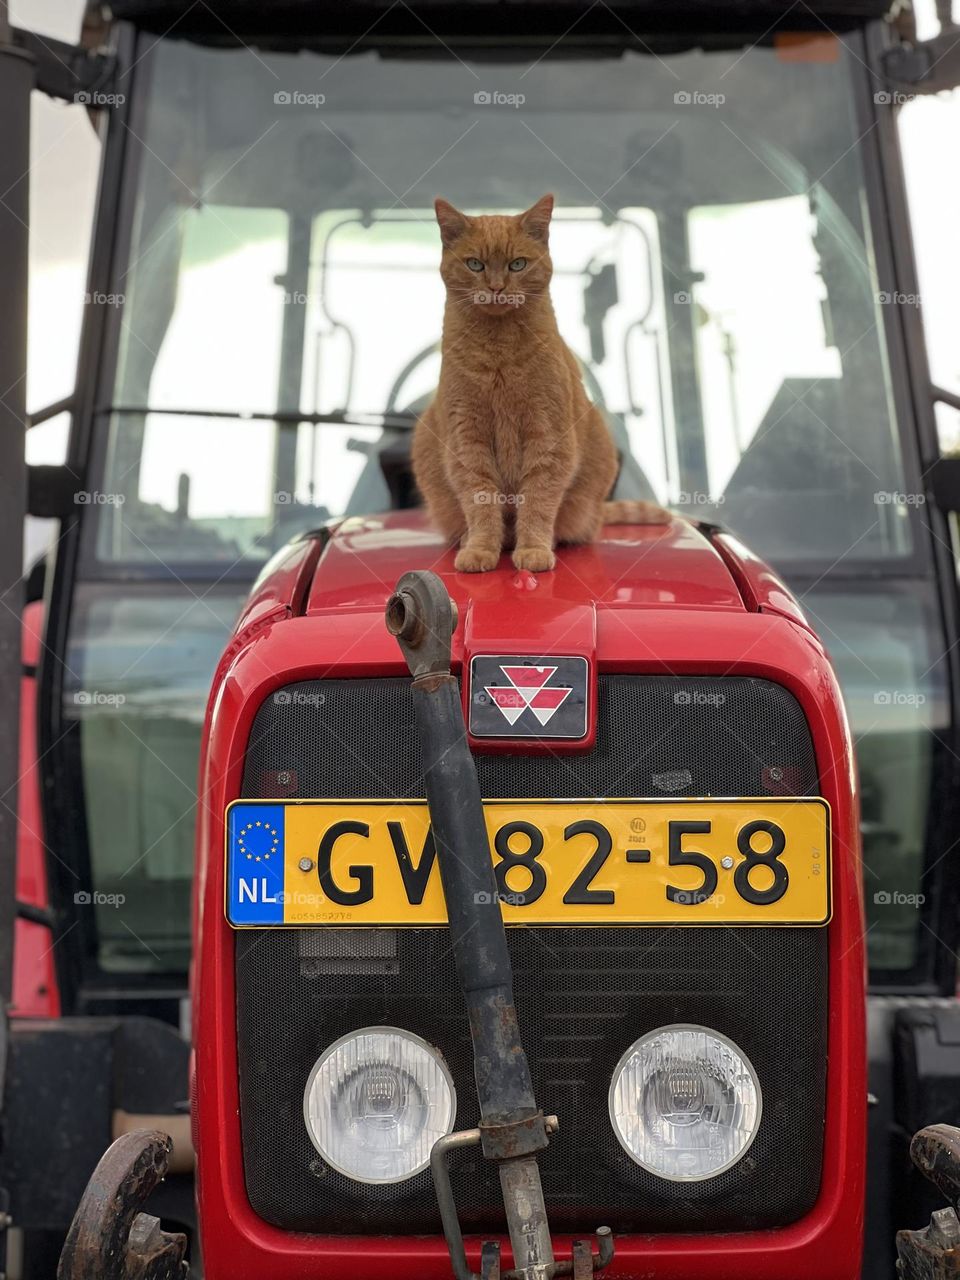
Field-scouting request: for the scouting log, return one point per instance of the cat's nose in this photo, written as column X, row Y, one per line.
column 497, row 282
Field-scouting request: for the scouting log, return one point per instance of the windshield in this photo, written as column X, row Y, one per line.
column 712, row 275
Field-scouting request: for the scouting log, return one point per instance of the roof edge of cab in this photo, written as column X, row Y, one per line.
column 232, row 21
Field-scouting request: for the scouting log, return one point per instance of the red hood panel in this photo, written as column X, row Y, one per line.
column 655, row 566
column 631, row 570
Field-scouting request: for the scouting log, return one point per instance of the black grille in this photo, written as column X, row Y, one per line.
column 583, row 995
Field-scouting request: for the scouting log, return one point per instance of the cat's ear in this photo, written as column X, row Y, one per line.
column 536, row 221
column 452, row 222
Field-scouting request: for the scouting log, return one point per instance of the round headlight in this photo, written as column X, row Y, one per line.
column 376, row 1102
column 685, row 1103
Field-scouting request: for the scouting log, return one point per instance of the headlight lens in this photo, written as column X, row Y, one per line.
column 685, row 1103
column 376, row 1102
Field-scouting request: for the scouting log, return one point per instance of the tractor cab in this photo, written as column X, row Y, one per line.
column 730, row 250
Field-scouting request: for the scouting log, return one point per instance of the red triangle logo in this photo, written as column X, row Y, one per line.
column 527, row 688
column 528, row 677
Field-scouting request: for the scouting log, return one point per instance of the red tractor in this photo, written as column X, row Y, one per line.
column 669, row 793
column 518, row 923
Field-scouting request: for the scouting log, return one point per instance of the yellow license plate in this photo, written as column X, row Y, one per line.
column 557, row 862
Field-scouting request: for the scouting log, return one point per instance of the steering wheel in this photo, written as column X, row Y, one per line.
column 590, row 378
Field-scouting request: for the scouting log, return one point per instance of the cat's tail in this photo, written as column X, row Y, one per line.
column 629, row 512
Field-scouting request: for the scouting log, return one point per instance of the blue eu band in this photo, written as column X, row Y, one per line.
column 255, row 864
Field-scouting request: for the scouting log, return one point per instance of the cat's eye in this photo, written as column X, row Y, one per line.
column 474, row 264
column 518, row 264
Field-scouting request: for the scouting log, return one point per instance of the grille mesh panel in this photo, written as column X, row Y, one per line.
column 583, row 995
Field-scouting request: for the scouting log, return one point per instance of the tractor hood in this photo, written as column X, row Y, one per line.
column 528, row 647
column 672, row 565
column 678, row 566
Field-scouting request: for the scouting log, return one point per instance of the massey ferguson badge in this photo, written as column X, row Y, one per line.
column 526, row 697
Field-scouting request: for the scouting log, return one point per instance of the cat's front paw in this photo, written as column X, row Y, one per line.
column 534, row 559
column 476, row 560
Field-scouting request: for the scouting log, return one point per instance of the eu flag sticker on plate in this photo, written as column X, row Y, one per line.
column 255, row 876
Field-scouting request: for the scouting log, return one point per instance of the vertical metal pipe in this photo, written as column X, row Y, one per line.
column 296, row 280
column 527, row 1223
column 16, row 82
column 512, row 1128
column 504, row 1088
column 470, row 889
column 682, row 323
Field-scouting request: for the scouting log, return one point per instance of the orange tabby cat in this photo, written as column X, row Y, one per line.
column 511, row 453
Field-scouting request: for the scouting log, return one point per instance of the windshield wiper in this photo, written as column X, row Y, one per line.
column 339, row 418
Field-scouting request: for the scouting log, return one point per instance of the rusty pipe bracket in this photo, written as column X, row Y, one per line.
column 423, row 618
column 933, row 1253
column 517, row 1138
column 109, row 1238
column 583, row 1264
